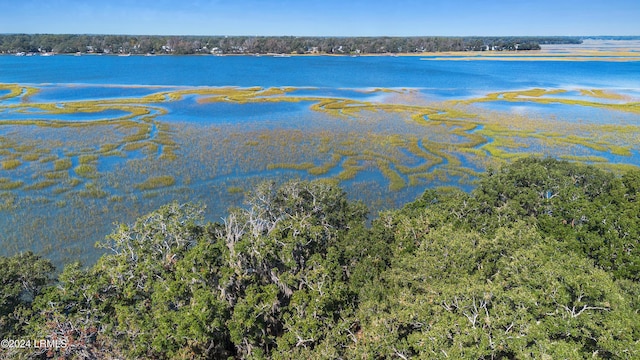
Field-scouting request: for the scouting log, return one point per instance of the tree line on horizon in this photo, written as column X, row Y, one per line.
column 540, row 261
column 129, row 44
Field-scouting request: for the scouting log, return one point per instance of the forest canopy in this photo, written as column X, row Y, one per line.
column 146, row 44
column 541, row 260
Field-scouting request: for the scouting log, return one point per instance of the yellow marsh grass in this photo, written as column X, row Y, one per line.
column 10, row 164
column 603, row 94
column 235, row 190
column 48, row 159
column 62, row 164
column 73, row 182
column 535, row 95
column 324, row 168
column 139, row 117
column 92, row 190
column 396, row 182
column 56, row 175
column 350, row 169
column 88, row 159
column 595, row 159
column 86, row 171
column 156, row 182
column 303, row 166
column 8, row 184
column 30, row 157
column 40, row 185
column 16, row 90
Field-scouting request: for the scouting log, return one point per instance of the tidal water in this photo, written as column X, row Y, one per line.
column 62, row 210
column 333, row 72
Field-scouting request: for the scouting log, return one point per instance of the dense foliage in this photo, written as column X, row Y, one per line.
column 143, row 44
column 541, row 260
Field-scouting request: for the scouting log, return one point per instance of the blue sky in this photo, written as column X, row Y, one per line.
column 322, row 17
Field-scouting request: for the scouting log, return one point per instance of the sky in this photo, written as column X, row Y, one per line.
column 323, row 17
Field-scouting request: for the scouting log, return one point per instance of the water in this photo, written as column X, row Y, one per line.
column 66, row 177
column 318, row 71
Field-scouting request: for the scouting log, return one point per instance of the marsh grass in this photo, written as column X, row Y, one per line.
column 135, row 146
column 30, row 157
column 396, row 182
column 8, row 184
column 235, row 190
column 86, row 171
column 107, row 148
column 73, row 182
column 62, row 164
column 538, row 96
column 88, row 159
column 16, row 90
column 156, row 182
column 41, row 185
column 92, row 190
column 116, row 198
column 302, row 166
column 585, row 159
column 53, row 175
column 10, row 164
column 48, row 159
column 409, row 144
column 326, row 167
column 350, row 169
column 603, row 94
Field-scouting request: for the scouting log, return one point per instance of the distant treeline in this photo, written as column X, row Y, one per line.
column 129, row 44
column 614, row 37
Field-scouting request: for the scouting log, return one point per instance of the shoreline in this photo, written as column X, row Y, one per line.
column 630, row 56
column 593, row 50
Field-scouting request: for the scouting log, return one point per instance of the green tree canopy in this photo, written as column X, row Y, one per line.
column 539, row 261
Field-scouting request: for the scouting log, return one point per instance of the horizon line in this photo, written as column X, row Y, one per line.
column 321, row 36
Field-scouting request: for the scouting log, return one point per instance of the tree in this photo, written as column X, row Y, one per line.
column 154, row 296
column 591, row 209
column 510, row 295
column 22, row 279
column 538, row 261
column 287, row 278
